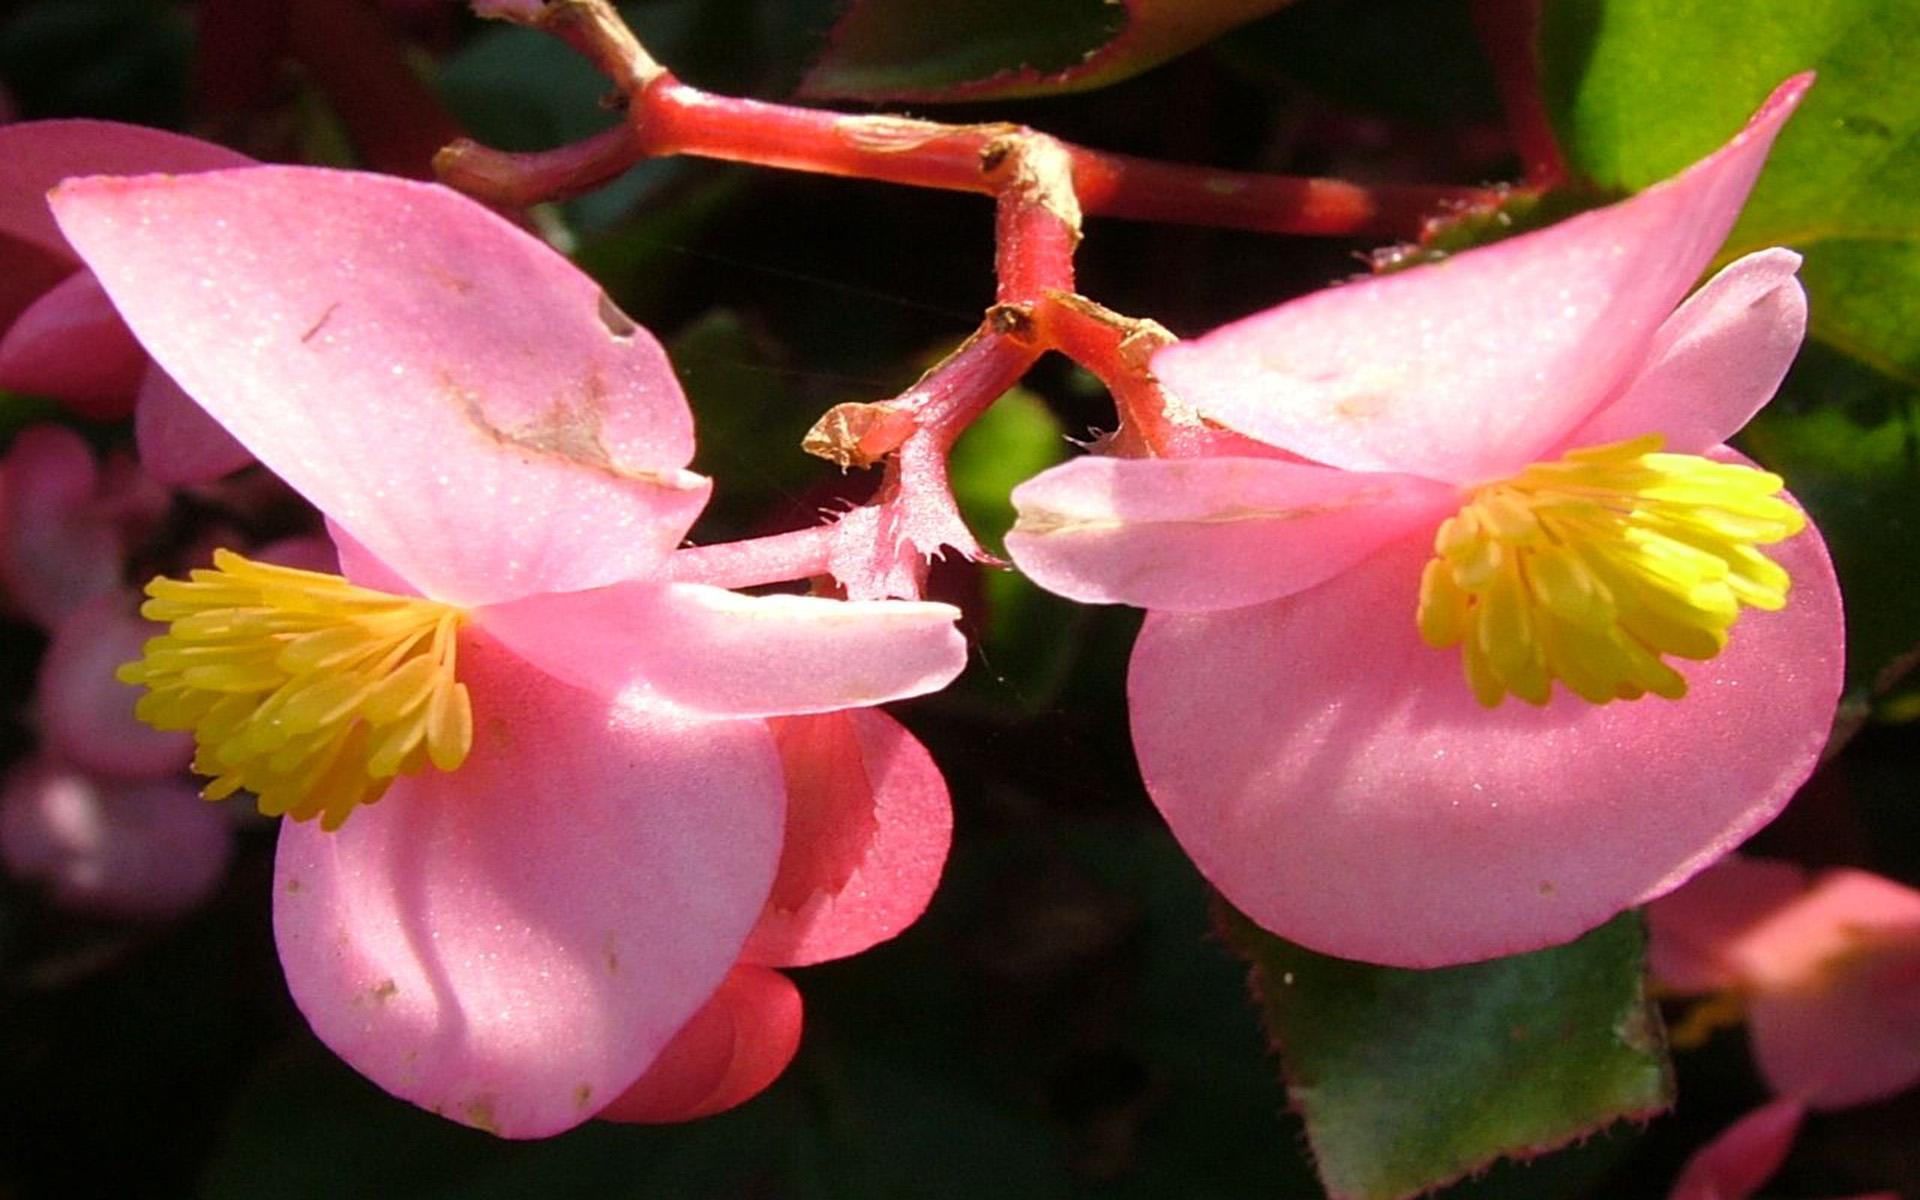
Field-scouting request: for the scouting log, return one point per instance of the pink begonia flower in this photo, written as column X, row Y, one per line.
column 59, row 336
column 586, row 810
column 1827, row 972
column 67, row 522
column 1340, row 779
column 142, row 848
column 1744, row 1156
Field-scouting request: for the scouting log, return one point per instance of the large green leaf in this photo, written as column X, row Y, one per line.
column 1640, row 88
column 1408, row 1080
column 989, row 49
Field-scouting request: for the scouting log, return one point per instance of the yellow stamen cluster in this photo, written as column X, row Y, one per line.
column 1590, row 569
column 310, row 692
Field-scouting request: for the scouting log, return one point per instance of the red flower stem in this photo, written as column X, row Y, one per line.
column 1509, row 29
column 520, row 180
column 1115, row 349
column 799, row 554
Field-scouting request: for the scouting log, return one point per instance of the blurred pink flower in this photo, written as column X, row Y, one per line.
column 142, row 848
column 1735, row 1164
column 1328, row 768
column 68, row 522
column 514, row 935
column 1827, row 972
column 86, row 714
column 59, row 335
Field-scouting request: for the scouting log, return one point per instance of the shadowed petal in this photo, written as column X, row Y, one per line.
column 178, row 441
column 1715, row 361
column 375, row 341
column 735, row 1046
column 35, row 155
column 1197, row 534
column 1378, row 812
column 70, row 345
column 1470, row 368
column 868, row 825
column 722, row 653
column 511, row 944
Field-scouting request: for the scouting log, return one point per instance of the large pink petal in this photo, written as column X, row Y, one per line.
column 1715, row 361
column 178, row 441
column 70, row 345
column 721, row 653
column 513, row 943
column 1197, row 534
column 868, row 825
column 1744, row 1156
column 1473, row 367
column 732, row 1049
column 86, row 714
column 443, row 385
column 1691, row 931
column 35, row 155
column 1335, row 778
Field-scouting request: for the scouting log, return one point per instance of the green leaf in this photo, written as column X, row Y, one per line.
column 1639, row 88
column 993, row 49
column 1408, row 1080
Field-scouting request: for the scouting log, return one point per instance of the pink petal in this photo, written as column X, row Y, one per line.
column 1715, row 361
column 868, row 825
column 1690, row 931
column 731, row 1050
column 38, row 154
column 31, row 270
column 70, row 345
column 86, row 715
column 57, row 549
column 1197, row 534
column 147, row 848
column 1335, row 778
column 1843, row 908
column 179, row 443
column 512, row 944
column 724, row 654
column 1473, row 367
column 1744, row 1156
column 443, row 385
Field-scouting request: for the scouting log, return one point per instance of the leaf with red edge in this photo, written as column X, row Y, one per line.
column 993, row 49
column 1408, row 1080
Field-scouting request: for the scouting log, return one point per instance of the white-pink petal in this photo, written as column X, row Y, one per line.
column 1471, row 368
column 446, row 387
column 868, row 825
column 1715, row 361
column 707, row 650
column 511, row 944
column 1334, row 777
column 1198, row 534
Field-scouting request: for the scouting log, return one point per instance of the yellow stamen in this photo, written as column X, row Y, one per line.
column 309, row 692
column 1594, row 569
